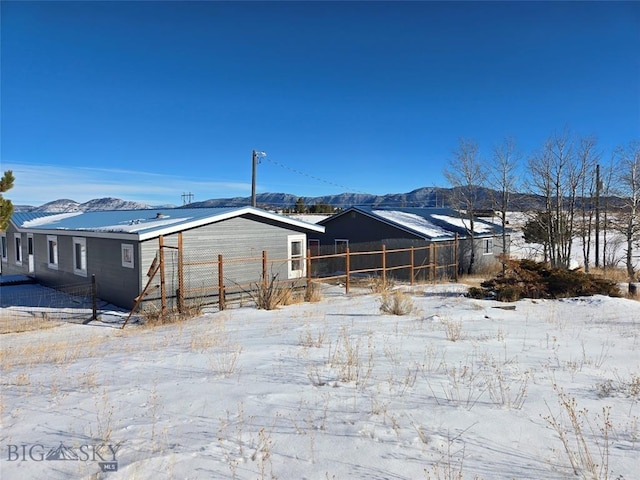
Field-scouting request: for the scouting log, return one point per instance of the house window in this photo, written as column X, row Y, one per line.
column 80, row 256
column 52, row 249
column 127, row 255
column 341, row 245
column 18, row 240
column 295, row 250
column 314, row 247
column 487, row 246
column 30, row 244
column 3, row 242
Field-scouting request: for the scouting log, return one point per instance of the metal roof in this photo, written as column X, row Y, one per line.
column 143, row 224
column 428, row 223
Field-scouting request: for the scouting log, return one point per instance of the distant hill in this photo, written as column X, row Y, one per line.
column 421, row 197
column 66, row 205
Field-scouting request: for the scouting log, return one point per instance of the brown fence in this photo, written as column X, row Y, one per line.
column 179, row 279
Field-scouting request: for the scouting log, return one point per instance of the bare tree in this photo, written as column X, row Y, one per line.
column 555, row 175
column 607, row 179
column 465, row 172
column 628, row 222
column 587, row 158
column 503, row 180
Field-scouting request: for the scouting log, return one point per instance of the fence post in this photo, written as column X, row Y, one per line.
column 455, row 250
column 411, row 255
column 180, row 293
column 434, row 264
column 94, row 298
column 221, row 303
column 163, row 291
column 346, row 267
column 384, row 265
column 264, row 268
column 308, row 270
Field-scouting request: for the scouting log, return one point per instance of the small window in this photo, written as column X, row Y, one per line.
column 127, row 255
column 296, row 256
column 18, row 243
column 341, row 245
column 80, row 256
column 487, row 248
column 3, row 243
column 30, row 244
column 52, row 249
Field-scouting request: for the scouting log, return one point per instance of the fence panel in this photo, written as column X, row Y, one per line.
column 188, row 279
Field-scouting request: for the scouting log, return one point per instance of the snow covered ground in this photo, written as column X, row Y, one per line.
column 459, row 388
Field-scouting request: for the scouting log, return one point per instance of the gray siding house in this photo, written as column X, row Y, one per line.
column 119, row 246
column 366, row 228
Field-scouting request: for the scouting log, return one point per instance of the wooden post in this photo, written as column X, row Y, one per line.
column 94, row 298
column 411, row 255
column 455, row 249
column 384, row 265
column 221, row 299
column 434, row 263
column 163, row 290
column 308, row 271
column 346, row 267
column 264, row 268
column 180, row 295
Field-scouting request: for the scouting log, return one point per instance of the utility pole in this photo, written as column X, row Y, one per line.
column 187, row 198
column 597, row 215
column 254, row 167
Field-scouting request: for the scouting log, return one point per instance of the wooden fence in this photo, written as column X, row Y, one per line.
column 215, row 286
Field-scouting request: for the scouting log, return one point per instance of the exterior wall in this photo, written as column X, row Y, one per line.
column 368, row 234
column 236, row 238
column 483, row 259
column 115, row 284
column 9, row 264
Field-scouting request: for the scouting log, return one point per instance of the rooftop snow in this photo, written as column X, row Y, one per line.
column 463, row 223
column 414, row 222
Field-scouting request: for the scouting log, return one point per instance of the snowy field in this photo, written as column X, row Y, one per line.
column 458, row 389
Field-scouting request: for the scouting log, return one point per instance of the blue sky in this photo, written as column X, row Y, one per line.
column 148, row 100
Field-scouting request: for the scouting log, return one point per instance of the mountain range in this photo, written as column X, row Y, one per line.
column 421, row 197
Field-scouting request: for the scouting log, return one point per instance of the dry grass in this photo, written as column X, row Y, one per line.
column 396, row 303
column 313, row 293
column 18, row 322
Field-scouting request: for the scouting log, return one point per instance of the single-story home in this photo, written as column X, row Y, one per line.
column 368, row 228
column 120, row 246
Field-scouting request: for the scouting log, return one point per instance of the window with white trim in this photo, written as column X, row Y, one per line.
column 52, row 251
column 3, row 243
column 296, row 254
column 487, row 246
column 127, row 255
column 80, row 256
column 18, row 245
column 342, row 244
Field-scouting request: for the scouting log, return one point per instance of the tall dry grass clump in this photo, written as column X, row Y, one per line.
column 396, row 302
column 269, row 295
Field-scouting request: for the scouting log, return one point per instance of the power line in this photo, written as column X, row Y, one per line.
column 313, row 177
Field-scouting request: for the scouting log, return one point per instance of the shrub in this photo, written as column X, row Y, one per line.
column 271, row 295
column 529, row 279
column 396, row 303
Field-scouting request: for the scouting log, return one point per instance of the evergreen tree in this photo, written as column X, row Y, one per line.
column 300, row 206
column 6, row 207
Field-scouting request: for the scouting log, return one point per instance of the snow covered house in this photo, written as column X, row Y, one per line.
column 119, row 246
column 367, row 229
